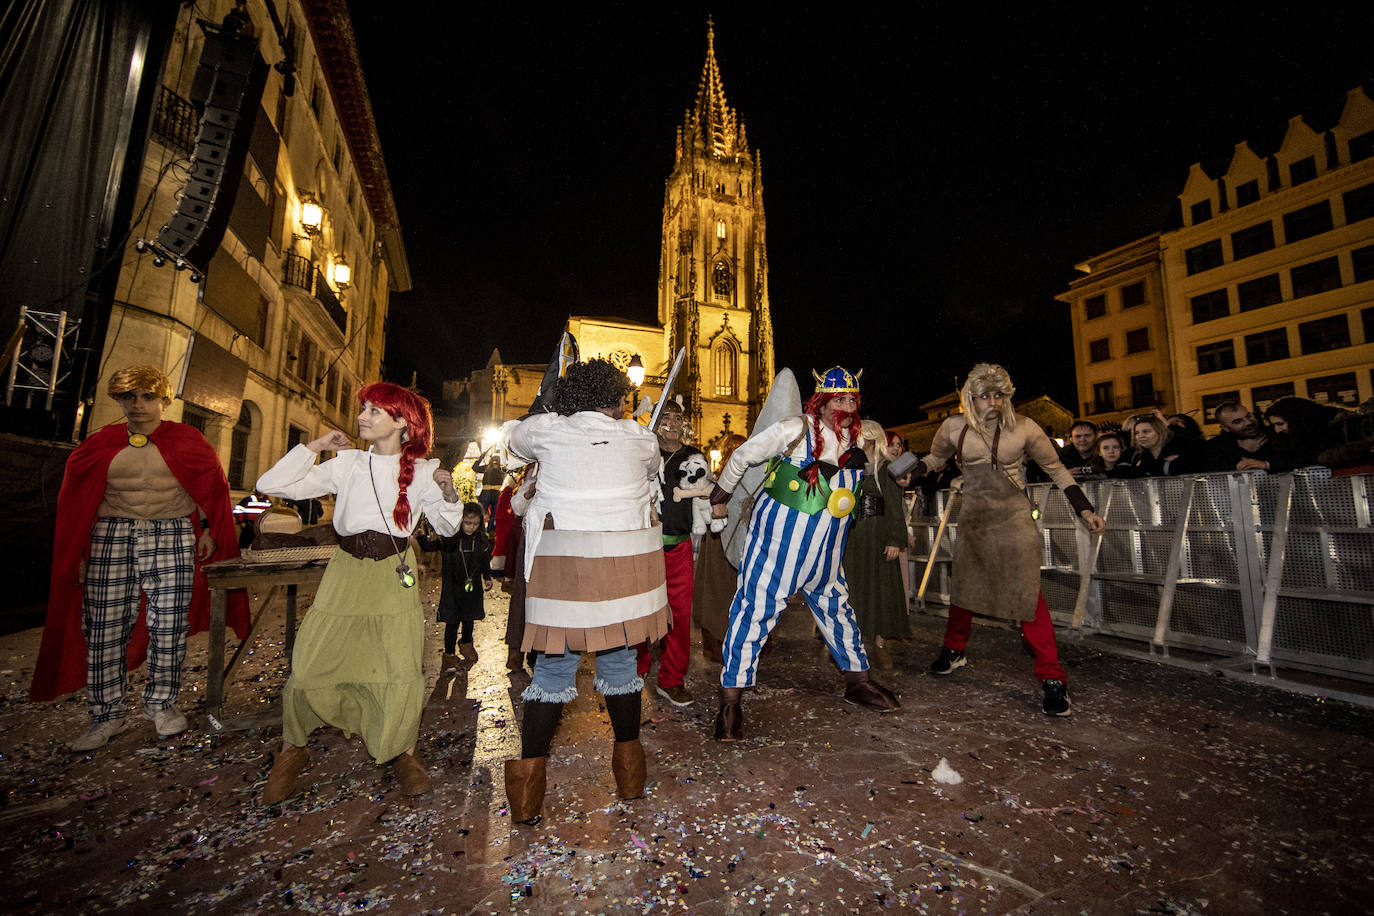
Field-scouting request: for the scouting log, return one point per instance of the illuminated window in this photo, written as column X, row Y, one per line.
column 720, row 228
column 723, row 363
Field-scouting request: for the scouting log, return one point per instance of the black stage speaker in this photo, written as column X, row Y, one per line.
column 227, row 89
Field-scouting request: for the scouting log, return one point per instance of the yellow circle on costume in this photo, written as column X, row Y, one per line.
column 793, row 486
column 841, row 502
column 138, row 440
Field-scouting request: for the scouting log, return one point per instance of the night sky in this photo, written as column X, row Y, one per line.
column 930, row 176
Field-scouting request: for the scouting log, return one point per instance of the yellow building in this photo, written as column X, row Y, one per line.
column 1263, row 292
column 1269, row 288
column 1120, row 335
column 288, row 319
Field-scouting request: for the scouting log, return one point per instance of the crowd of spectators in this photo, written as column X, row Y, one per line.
column 1292, row 433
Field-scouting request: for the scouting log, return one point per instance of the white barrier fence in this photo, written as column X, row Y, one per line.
column 1274, row 569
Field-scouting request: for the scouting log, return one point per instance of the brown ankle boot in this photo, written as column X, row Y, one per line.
column 411, row 775
column 515, row 660
column 862, row 690
column 525, row 783
column 627, row 763
column 730, row 718
column 286, row 770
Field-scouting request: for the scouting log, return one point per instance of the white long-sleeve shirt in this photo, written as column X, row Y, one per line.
column 773, row 440
column 595, row 473
column 352, row 475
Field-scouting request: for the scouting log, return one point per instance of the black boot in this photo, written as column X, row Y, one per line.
column 624, row 710
column 537, row 730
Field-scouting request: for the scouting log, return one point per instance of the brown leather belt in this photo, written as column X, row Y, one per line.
column 373, row 545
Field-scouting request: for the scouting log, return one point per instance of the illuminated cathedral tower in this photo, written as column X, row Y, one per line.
column 713, row 264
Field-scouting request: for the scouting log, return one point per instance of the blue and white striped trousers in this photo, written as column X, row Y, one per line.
column 787, row 551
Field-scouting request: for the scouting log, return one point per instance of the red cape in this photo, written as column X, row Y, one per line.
column 61, row 664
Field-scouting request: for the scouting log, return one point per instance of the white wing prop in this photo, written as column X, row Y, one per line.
column 784, row 400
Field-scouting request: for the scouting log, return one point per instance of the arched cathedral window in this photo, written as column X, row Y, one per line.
column 724, row 360
column 722, row 280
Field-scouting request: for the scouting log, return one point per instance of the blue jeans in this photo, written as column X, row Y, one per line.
column 555, row 676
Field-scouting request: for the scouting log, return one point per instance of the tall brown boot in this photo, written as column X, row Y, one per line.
column 730, row 718
column 627, row 763
column 862, row 690
column 286, row 770
column 411, row 775
column 525, row 783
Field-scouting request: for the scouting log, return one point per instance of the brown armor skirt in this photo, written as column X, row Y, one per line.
column 997, row 548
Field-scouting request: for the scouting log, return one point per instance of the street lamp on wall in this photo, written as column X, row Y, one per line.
column 312, row 215
column 341, row 273
column 635, row 370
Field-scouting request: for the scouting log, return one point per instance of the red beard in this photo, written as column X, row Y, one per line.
column 844, row 420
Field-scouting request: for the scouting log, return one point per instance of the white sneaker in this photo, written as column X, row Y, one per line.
column 98, row 735
column 169, row 720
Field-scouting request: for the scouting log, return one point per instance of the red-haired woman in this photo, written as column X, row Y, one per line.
column 356, row 662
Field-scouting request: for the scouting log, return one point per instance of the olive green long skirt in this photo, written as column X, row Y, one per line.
column 356, row 662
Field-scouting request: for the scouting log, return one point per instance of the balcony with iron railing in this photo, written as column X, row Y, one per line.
column 302, row 273
column 175, row 121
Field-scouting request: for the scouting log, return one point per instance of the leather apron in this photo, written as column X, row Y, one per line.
column 998, row 547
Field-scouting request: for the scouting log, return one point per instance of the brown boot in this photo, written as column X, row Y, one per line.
column 515, row 660
column 627, row 763
column 862, row 690
column 730, row 718
column 286, row 769
column 525, row 783
column 411, row 775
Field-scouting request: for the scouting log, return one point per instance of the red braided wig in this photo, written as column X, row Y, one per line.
column 404, row 404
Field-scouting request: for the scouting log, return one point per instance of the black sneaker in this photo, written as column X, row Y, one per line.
column 1056, row 697
column 947, row 662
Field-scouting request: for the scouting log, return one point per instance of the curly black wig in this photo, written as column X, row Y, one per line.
column 593, row 385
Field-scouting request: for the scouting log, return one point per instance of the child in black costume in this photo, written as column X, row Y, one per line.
column 466, row 575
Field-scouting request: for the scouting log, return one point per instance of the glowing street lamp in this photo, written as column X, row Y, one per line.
column 342, row 274
column 635, row 370
column 312, row 215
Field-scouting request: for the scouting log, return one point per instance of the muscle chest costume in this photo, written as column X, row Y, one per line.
column 61, row 665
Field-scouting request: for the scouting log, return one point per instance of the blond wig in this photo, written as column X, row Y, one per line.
column 982, row 379
column 135, row 378
column 873, row 432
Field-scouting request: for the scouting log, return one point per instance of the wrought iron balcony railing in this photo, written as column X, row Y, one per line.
column 302, row 273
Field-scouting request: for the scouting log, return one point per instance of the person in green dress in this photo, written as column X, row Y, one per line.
column 872, row 556
column 356, row 662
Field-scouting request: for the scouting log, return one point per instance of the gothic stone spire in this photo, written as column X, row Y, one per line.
column 711, row 125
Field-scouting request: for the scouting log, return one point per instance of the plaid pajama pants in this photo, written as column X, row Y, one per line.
column 156, row 557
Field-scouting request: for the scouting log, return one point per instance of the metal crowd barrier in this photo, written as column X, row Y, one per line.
column 1267, row 569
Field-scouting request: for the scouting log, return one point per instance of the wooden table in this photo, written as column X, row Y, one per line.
column 287, row 575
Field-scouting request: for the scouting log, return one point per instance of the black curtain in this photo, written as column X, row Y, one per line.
column 78, row 78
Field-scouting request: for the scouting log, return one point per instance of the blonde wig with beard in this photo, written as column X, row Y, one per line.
column 984, row 378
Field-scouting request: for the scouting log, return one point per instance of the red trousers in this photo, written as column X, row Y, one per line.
column 672, row 661
column 1038, row 633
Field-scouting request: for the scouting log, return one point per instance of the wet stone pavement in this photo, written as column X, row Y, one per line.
column 1168, row 791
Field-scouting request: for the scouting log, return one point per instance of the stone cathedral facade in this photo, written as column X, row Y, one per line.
column 713, row 274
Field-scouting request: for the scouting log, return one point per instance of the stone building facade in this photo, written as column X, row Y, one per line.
column 288, row 322
column 712, row 295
